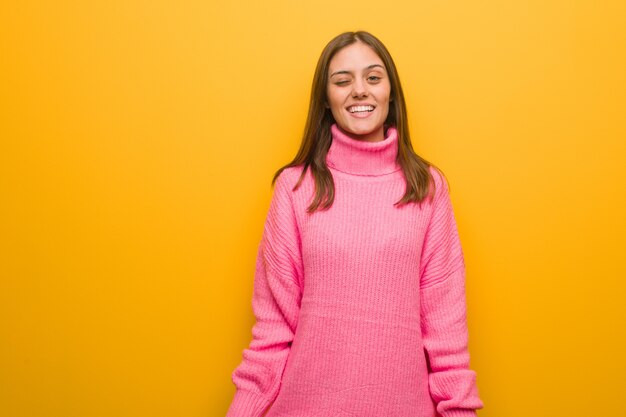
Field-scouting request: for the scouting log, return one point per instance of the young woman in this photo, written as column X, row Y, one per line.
column 359, row 291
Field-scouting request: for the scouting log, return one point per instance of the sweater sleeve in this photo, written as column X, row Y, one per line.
column 276, row 304
column 443, row 311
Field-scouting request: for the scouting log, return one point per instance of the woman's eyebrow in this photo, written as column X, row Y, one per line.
column 339, row 72
column 348, row 72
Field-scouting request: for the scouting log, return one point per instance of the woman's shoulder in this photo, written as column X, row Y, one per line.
column 440, row 189
column 436, row 174
column 291, row 172
column 289, row 176
column 440, row 181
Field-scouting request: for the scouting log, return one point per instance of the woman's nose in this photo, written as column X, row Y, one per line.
column 359, row 89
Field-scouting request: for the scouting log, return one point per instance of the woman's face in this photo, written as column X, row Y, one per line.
column 358, row 91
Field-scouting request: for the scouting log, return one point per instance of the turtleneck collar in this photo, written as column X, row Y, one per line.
column 358, row 157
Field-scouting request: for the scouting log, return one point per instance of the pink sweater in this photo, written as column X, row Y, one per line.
column 360, row 309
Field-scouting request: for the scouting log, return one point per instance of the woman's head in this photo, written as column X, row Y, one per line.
column 358, row 92
column 330, row 103
column 339, row 55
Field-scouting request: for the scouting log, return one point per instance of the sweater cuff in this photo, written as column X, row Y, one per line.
column 247, row 404
column 459, row 413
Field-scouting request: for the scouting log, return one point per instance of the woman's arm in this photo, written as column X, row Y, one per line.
column 276, row 304
column 443, row 311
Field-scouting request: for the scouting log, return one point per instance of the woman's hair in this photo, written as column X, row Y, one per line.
column 317, row 135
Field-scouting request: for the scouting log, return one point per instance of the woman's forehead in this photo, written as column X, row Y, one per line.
column 355, row 57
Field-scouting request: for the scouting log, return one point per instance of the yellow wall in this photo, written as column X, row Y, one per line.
column 138, row 140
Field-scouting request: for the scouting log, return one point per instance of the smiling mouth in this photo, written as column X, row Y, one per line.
column 360, row 109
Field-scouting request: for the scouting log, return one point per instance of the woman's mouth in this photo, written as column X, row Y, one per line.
column 361, row 109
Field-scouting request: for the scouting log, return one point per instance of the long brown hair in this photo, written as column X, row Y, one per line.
column 317, row 136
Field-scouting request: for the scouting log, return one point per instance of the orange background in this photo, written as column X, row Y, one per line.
column 138, row 140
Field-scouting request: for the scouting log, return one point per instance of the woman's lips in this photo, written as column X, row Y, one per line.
column 361, row 111
column 361, row 115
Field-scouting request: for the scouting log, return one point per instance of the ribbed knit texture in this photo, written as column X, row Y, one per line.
column 360, row 309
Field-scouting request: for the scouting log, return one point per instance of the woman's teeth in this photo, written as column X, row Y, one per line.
column 355, row 109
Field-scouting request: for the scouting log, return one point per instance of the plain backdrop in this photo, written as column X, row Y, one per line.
column 137, row 144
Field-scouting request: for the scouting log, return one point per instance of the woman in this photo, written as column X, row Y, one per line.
column 359, row 287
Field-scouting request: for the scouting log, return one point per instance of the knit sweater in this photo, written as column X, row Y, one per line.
column 360, row 309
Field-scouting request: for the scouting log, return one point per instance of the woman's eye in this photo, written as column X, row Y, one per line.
column 373, row 78
column 341, row 82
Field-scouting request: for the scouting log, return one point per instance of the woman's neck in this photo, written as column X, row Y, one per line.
column 375, row 136
column 352, row 155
